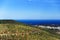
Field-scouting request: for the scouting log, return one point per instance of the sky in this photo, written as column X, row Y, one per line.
column 30, row 9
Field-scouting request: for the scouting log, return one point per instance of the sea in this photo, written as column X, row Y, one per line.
column 40, row 22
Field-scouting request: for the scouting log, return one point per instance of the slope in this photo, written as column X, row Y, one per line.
column 13, row 30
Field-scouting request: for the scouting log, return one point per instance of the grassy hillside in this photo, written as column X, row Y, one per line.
column 12, row 30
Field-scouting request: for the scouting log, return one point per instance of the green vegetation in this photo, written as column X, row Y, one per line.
column 12, row 30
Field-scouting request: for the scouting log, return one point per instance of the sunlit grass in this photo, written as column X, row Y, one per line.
column 24, row 32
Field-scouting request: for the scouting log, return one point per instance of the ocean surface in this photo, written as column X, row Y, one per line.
column 40, row 22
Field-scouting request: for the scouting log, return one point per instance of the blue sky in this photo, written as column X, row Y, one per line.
column 29, row 9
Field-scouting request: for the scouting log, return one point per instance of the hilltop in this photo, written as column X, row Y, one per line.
column 10, row 29
column 8, row 22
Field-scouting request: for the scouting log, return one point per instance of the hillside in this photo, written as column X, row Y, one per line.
column 12, row 30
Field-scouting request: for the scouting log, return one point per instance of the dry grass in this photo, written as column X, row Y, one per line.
column 24, row 32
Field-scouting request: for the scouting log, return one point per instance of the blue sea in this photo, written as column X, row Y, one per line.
column 40, row 22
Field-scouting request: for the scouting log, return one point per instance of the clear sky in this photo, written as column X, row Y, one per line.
column 29, row 9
